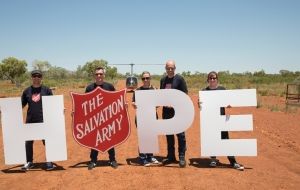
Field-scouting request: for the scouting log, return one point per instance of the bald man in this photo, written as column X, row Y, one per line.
column 173, row 81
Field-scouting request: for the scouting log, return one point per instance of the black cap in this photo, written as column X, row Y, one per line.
column 36, row 72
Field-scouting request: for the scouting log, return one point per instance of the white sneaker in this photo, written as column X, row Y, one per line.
column 153, row 160
column 237, row 166
column 27, row 166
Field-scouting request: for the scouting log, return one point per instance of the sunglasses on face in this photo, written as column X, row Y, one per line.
column 170, row 68
column 99, row 74
column 36, row 76
column 145, row 78
column 213, row 78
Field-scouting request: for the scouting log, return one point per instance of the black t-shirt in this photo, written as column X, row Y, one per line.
column 218, row 88
column 168, row 83
column 105, row 85
column 176, row 82
column 222, row 109
column 33, row 97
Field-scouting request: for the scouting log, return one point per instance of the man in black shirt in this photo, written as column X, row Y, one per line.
column 99, row 82
column 32, row 96
column 174, row 81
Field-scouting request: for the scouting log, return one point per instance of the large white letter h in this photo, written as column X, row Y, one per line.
column 15, row 132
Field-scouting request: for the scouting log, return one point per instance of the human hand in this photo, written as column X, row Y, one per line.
column 134, row 105
column 226, row 114
column 199, row 104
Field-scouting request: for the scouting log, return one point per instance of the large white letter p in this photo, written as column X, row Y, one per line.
column 149, row 127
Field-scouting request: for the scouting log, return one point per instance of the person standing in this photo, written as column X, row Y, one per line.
column 173, row 81
column 32, row 96
column 99, row 82
column 213, row 84
column 145, row 158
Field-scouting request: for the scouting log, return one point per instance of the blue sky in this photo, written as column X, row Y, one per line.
column 221, row 35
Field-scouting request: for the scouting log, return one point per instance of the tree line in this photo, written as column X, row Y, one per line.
column 15, row 70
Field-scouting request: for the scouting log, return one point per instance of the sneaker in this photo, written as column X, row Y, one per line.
column 113, row 164
column 91, row 165
column 27, row 166
column 153, row 160
column 182, row 162
column 169, row 161
column 145, row 163
column 213, row 163
column 49, row 166
column 239, row 167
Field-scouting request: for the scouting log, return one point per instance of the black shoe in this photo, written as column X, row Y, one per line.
column 182, row 162
column 49, row 166
column 144, row 162
column 169, row 161
column 91, row 165
column 113, row 164
column 213, row 163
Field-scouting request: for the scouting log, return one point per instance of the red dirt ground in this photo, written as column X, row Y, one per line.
column 277, row 165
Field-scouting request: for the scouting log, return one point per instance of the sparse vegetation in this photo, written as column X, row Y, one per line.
column 60, row 78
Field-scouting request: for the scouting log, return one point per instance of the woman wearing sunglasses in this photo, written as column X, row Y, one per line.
column 146, row 159
column 213, row 84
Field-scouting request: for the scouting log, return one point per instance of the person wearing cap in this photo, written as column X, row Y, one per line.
column 173, row 81
column 146, row 159
column 32, row 96
column 213, row 84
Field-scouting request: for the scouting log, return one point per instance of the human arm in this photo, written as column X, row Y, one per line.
column 24, row 99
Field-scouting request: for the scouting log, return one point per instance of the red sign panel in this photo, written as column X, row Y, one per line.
column 100, row 119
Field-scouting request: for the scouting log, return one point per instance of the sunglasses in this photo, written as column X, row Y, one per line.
column 170, row 68
column 36, row 76
column 97, row 74
column 144, row 78
column 213, row 78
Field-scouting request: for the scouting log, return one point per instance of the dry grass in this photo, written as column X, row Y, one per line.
column 194, row 85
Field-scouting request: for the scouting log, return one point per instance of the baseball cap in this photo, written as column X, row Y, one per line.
column 36, row 72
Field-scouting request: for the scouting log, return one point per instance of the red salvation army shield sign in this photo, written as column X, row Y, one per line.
column 100, row 119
